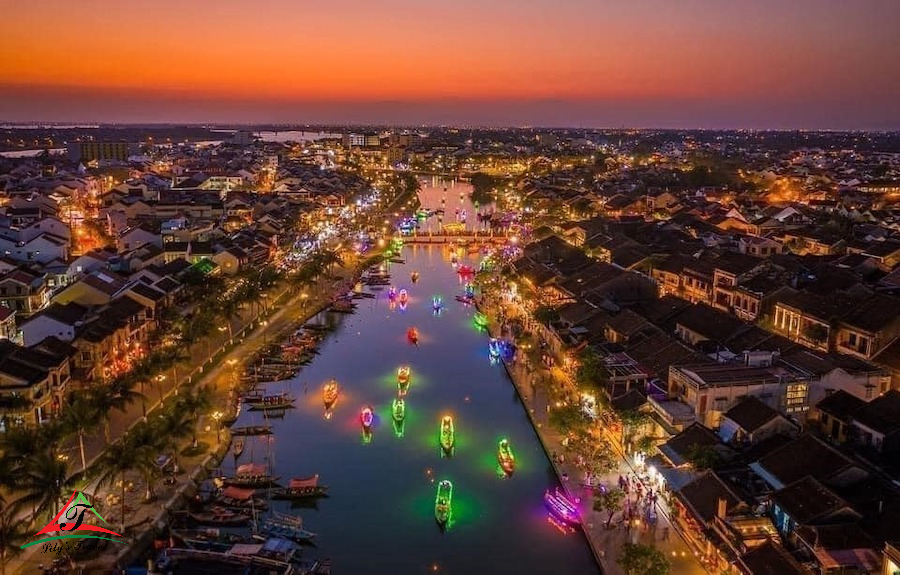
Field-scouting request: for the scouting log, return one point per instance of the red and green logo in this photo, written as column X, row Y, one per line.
column 73, row 515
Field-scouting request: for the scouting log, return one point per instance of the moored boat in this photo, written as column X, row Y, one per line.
column 367, row 417
column 560, row 507
column 481, row 320
column 448, row 435
column 210, row 539
column 398, row 409
column 282, row 400
column 330, row 393
column 301, row 488
column 494, row 348
column 219, row 516
column 233, row 497
column 443, row 503
column 238, row 447
column 251, row 475
column 465, row 270
column 287, row 526
column 505, row 457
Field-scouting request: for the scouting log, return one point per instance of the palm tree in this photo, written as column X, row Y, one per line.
column 194, row 405
column 144, row 437
column 329, row 258
column 80, row 418
column 106, row 398
column 12, row 534
column 115, row 462
column 40, row 481
column 229, row 309
column 173, row 425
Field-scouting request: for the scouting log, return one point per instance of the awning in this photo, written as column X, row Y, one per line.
column 238, row 493
column 245, row 549
column 674, row 478
column 304, row 483
column 251, row 469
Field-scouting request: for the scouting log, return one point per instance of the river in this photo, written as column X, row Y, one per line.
column 379, row 517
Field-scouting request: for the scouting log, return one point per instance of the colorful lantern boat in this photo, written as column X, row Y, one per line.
column 330, row 393
column 366, row 417
column 403, row 296
column 448, row 435
column 505, row 457
column 561, row 508
column 412, row 334
column 398, row 409
column 443, row 503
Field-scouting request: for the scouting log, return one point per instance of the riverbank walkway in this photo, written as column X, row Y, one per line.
column 606, row 542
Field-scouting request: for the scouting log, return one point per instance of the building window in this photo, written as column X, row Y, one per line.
column 852, row 339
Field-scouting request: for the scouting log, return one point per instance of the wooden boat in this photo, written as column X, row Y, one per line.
column 252, row 397
column 301, row 488
column 287, row 526
column 249, row 430
column 465, row 270
column 220, row 517
column 330, row 393
column 447, row 436
column 281, row 401
column 505, row 457
column 403, row 296
column 233, row 497
column 465, row 299
column 367, row 417
column 412, row 334
column 210, row 539
column 414, row 277
column 251, row 475
column 238, row 447
column 443, row 503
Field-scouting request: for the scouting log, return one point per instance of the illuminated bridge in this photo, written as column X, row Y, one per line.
column 456, row 237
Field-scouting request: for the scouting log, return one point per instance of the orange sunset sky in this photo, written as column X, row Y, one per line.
column 804, row 63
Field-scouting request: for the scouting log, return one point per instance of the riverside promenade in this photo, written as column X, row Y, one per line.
column 606, row 543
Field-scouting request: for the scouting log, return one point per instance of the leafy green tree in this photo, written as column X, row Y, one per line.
column 610, row 502
column 638, row 559
column 591, row 372
column 545, row 314
column 702, row 456
column 568, row 418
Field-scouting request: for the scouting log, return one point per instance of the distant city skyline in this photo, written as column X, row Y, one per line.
column 808, row 64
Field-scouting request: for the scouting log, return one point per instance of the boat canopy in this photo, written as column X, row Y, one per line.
column 251, row 469
column 246, row 549
column 238, row 493
column 304, row 483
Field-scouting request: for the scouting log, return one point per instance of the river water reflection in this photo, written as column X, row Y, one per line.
column 379, row 517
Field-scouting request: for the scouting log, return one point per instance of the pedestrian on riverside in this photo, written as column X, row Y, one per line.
column 665, row 534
